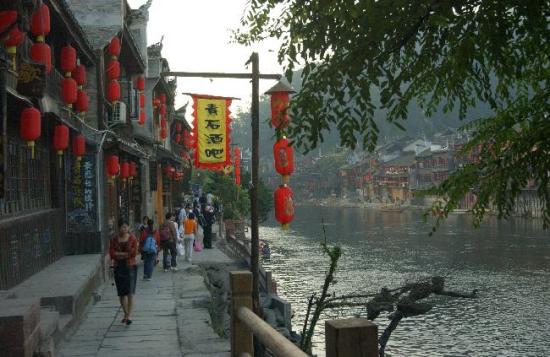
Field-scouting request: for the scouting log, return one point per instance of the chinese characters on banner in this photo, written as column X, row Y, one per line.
column 211, row 130
column 81, row 204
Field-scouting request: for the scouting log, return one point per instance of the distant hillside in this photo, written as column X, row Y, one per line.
column 416, row 125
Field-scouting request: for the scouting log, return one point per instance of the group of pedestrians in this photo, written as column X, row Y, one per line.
column 180, row 228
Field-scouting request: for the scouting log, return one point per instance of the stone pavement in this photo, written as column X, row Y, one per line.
column 170, row 318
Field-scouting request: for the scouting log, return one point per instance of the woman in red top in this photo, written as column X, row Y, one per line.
column 123, row 250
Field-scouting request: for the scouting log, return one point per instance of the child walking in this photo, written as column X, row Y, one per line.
column 189, row 232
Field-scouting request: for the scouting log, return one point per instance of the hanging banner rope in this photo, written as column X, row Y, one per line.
column 211, row 131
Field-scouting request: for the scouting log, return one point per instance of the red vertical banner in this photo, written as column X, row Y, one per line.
column 211, row 120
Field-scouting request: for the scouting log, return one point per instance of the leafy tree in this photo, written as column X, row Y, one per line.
column 450, row 53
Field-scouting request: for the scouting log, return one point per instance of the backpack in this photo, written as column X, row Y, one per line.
column 150, row 245
column 164, row 233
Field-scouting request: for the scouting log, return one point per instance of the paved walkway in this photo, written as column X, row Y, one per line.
column 170, row 318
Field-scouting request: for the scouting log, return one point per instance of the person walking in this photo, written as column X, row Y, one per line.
column 189, row 232
column 168, row 239
column 207, row 229
column 122, row 251
column 150, row 247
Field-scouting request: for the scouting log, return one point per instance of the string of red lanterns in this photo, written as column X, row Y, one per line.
column 60, row 140
column 30, row 126
column 113, row 71
column 79, row 146
column 283, row 153
column 40, row 28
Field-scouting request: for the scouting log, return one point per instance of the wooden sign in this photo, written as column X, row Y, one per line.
column 32, row 79
column 82, row 200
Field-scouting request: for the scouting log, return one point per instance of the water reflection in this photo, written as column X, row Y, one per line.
column 507, row 261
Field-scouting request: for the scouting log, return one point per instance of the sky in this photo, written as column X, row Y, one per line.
column 197, row 35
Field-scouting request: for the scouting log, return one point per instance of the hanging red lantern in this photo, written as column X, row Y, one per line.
column 237, row 176
column 162, row 123
column 79, row 75
column 178, row 138
column 114, row 47
column 140, row 83
column 113, row 91
column 169, row 170
column 69, row 91
column 284, row 158
column 30, row 126
column 133, row 169
column 40, row 22
column 81, row 104
column 112, row 167
column 284, row 205
column 163, row 98
column 141, row 120
column 163, row 109
column 163, row 133
column 156, row 102
column 279, row 105
column 178, row 127
column 142, row 100
column 42, row 53
column 79, row 146
column 13, row 39
column 60, row 140
column 124, row 170
column 7, row 18
column 113, row 69
column 68, row 60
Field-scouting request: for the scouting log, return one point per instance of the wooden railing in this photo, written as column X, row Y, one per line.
column 344, row 338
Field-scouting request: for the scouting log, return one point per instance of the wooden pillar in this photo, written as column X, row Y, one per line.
column 351, row 338
column 241, row 295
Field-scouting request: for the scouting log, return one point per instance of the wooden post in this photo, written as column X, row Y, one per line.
column 351, row 338
column 241, row 295
column 254, row 236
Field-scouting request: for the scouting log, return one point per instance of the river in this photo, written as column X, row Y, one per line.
column 507, row 261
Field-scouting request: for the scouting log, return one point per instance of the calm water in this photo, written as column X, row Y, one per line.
column 508, row 262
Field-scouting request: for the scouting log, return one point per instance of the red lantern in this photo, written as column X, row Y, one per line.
column 113, row 69
column 7, row 18
column 237, row 176
column 42, row 53
column 133, row 169
column 113, row 91
column 141, row 117
column 163, row 109
column 156, row 102
column 30, row 126
column 60, row 140
column 163, row 98
column 69, row 91
column 125, row 170
column 279, row 114
column 142, row 100
column 79, row 146
column 112, row 167
column 169, row 171
column 162, row 123
column 140, row 83
column 284, row 205
column 163, row 133
column 40, row 22
column 79, row 75
column 13, row 39
column 81, row 104
column 178, row 127
column 284, row 158
column 68, row 60
column 114, row 47
column 178, row 138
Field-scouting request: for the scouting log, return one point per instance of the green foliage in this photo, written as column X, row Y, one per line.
column 265, row 197
column 450, row 54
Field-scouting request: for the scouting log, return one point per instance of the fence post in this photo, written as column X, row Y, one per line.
column 241, row 295
column 351, row 338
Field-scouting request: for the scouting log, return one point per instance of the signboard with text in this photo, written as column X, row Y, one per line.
column 82, row 198
column 211, row 130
